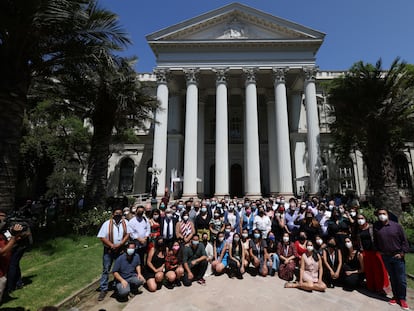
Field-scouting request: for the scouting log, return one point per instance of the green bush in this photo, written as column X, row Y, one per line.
column 407, row 221
column 89, row 222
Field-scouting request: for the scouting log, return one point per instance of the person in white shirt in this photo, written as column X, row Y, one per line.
column 140, row 229
column 262, row 222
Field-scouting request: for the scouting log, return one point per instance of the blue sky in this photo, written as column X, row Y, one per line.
column 355, row 29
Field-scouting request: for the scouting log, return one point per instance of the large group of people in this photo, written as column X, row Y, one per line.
column 311, row 244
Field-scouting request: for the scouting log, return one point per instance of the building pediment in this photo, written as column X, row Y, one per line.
column 234, row 22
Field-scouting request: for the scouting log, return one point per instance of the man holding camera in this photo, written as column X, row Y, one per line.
column 7, row 240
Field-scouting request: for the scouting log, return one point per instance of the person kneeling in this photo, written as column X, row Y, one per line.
column 127, row 272
column 194, row 262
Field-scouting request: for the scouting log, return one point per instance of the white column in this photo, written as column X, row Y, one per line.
column 313, row 128
column 200, row 151
column 222, row 147
column 271, row 142
column 284, row 164
column 190, row 141
column 159, row 158
column 252, row 136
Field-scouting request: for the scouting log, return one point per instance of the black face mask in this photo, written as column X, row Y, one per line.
column 117, row 218
column 302, row 238
column 331, row 245
column 139, row 214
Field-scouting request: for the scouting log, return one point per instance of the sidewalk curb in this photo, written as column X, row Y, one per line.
column 76, row 297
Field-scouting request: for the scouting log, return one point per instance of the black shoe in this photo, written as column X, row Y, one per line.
column 169, row 285
column 272, row 272
column 177, row 283
column 102, row 295
column 239, row 276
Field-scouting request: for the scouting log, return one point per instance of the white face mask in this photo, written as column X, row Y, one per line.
column 245, row 235
column 185, row 217
column 348, row 244
column 383, row 217
column 319, row 241
column 309, row 248
column 130, row 251
column 285, row 239
column 353, row 214
column 361, row 222
column 155, row 217
column 221, row 239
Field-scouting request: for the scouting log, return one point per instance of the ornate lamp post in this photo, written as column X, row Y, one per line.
column 155, row 171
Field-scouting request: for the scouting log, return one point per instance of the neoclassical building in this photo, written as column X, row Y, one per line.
column 243, row 112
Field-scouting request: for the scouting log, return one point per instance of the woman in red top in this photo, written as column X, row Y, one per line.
column 174, row 270
column 300, row 244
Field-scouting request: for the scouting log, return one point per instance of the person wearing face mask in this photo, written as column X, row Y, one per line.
column 114, row 233
column 174, row 270
column 202, row 221
column 300, row 243
column 245, row 240
column 221, row 254
column 310, row 225
column 194, row 262
column 236, row 257
column 319, row 245
column 154, row 221
column 247, row 220
column 140, row 229
column 184, row 229
column 208, row 246
column 290, row 217
column 375, row 273
column 288, row 255
column 258, row 253
column 127, row 273
column 391, row 241
column 262, row 222
column 232, row 217
column 216, row 225
column 353, row 266
column 332, row 263
column 311, row 272
column 273, row 258
column 167, row 228
column 278, row 223
column 154, row 269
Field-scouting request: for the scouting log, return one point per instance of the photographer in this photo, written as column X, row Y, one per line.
column 8, row 239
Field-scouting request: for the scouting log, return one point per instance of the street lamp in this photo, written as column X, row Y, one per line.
column 155, row 171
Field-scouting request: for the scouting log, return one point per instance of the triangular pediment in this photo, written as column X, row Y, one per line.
column 235, row 22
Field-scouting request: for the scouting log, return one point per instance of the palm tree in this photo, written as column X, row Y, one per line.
column 39, row 37
column 373, row 113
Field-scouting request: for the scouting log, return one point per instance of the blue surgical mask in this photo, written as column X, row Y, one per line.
column 195, row 242
column 131, row 251
column 257, row 235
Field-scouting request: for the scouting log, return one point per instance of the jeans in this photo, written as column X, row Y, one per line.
column 396, row 271
column 276, row 262
column 14, row 275
column 132, row 282
column 107, row 260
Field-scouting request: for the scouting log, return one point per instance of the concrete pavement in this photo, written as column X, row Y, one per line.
column 252, row 293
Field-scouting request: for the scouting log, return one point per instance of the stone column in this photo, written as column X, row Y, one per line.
column 312, row 121
column 252, row 161
column 222, row 146
column 190, row 141
column 159, row 157
column 284, row 164
column 200, row 143
column 271, row 142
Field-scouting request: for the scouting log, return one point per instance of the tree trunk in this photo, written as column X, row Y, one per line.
column 383, row 181
column 97, row 178
column 12, row 106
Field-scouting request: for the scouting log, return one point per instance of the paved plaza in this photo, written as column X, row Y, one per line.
column 252, row 293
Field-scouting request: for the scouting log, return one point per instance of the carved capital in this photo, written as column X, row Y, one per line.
column 191, row 75
column 250, row 74
column 310, row 73
column 221, row 75
column 279, row 74
column 162, row 75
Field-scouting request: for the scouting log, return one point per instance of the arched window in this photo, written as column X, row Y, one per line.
column 402, row 171
column 126, row 176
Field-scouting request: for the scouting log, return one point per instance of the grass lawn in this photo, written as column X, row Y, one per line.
column 57, row 269
column 409, row 260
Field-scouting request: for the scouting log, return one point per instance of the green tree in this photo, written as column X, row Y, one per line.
column 38, row 38
column 114, row 101
column 374, row 114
